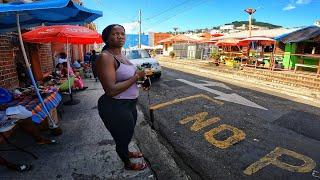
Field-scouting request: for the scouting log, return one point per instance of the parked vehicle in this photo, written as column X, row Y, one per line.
column 141, row 57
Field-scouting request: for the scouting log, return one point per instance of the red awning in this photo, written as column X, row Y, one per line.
column 63, row 34
column 261, row 40
column 227, row 42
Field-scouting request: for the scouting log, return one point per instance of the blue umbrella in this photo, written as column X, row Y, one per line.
column 17, row 15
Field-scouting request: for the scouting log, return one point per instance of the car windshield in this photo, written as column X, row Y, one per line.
column 137, row 54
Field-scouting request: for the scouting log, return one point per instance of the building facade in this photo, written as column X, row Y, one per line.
column 155, row 37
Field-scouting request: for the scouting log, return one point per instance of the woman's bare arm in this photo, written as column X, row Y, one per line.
column 107, row 76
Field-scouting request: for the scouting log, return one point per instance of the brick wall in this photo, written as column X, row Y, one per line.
column 8, row 72
column 45, row 57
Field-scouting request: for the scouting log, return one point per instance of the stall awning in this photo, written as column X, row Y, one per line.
column 308, row 33
column 36, row 14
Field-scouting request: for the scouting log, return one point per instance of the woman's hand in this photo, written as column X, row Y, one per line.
column 140, row 74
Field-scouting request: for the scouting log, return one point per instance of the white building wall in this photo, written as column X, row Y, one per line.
column 166, row 53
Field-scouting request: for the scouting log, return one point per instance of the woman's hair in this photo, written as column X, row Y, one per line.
column 65, row 64
column 106, row 33
column 58, row 65
column 63, row 55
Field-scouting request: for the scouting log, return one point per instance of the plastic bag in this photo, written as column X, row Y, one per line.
column 5, row 96
column 18, row 112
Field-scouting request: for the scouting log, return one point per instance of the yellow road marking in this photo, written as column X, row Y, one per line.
column 200, row 121
column 162, row 105
column 238, row 135
column 272, row 158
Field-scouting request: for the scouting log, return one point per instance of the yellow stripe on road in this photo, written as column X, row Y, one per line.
column 238, row 135
column 200, row 121
column 176, row 101
column 272, row 158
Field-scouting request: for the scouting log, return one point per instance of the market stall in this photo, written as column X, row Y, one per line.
column 302, row 49
column 230, row 51
column 64, row 34
column 19, row 15
column 259, row 56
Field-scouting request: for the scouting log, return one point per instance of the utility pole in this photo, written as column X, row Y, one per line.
column 250, row 11
column 139, row 44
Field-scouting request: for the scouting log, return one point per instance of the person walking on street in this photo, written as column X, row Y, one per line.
column 93, row 59
column 117, row 106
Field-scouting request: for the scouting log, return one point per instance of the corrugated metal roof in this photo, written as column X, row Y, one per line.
column 270, row 33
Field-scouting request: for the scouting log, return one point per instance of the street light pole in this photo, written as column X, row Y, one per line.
column 139, row 43
column 250, row 11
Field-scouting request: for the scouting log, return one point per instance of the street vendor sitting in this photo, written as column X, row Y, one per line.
column 78, row 82
column 76, row 64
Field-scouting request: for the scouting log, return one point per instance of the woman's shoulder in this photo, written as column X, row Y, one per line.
column 105, row 56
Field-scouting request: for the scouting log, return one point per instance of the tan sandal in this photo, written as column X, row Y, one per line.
column 136, row 166
column 135, row 154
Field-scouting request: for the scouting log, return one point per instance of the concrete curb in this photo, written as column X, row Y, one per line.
column 158, row 156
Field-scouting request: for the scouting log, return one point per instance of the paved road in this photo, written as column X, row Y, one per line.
column 221, row 131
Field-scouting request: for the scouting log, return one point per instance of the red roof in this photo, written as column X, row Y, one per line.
column 178, row 38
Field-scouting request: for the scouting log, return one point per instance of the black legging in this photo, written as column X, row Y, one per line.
column 94, row 69
column 120, row 117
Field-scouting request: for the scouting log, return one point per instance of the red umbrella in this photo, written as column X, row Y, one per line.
column 262, row 40
column 227, row 42
column 63, row 34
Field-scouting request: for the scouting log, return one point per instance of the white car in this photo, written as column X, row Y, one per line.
column 140, row 57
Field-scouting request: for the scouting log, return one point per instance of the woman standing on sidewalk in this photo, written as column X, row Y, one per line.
column 117, row 107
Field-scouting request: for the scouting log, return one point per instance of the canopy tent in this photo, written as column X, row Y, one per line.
column 261, row 40
column 227, row 42
column 270, row 33
column 46, row 12
column 17, row 15
column 63, row 34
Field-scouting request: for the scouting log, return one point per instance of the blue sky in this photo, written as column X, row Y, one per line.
column 163, row 15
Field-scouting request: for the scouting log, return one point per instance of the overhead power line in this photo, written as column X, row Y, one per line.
column 193, row 5
column 169, row 9
column 100, row 3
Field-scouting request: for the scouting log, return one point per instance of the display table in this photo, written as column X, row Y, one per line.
column 33, row 104
column 315, row 57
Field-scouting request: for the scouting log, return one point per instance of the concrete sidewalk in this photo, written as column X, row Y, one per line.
column 85, row 150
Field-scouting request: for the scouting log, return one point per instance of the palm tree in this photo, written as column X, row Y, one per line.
column 175, row 30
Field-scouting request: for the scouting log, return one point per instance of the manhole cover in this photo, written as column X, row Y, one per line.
column 301, row 122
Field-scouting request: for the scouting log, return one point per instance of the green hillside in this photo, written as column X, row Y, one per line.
column 254, row 22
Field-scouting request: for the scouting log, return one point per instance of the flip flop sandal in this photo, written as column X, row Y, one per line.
column 135, row 155
column 50, row 141
column 136, row 166
column 21, row 167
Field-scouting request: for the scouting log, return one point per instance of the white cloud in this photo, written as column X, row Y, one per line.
column 303, row 1
column 131, row 28
column 289, row 7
